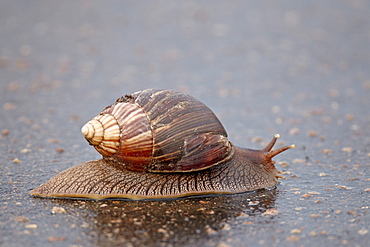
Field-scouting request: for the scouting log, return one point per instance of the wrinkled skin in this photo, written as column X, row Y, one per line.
column 248, row 170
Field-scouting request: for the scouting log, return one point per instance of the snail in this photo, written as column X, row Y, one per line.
column 162, row 144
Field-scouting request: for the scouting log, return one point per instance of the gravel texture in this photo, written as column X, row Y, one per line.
column 297, row 68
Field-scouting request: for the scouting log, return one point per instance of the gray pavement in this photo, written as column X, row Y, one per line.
column 297, row 68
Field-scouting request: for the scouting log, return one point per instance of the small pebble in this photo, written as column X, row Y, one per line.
column 21, row 219
column 31, row 226
column 354, row 213
column 211, row 231
column 242, row 214
column 283, row 164
column 343, row 187
column 52, row 140
column 21, row 64
column 294, row 131
column 296, row 231
column 226, row 227
column 13, row 86
column 334, row 93
column 299, row 161
column 85, row 225
column 363, row 231
column 271, row 211
column 223, row 244
column 248, row 223
column 4, row 61
column 58, row 210
column 16, row 160
column 54, row 239
column 9, row 106
column 313, row 193
column 322, row 138
column 347, row 149
column 366, row 84
column 25, row 150
column 350, row 117
column 312, row 133
column 5, row 132
column 293, row 238
column 256, row 139
column 326, row 119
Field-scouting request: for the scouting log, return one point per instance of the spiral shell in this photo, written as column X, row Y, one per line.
column 103, row 132
column 159, row 131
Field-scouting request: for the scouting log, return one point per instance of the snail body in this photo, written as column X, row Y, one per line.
column 162, row 144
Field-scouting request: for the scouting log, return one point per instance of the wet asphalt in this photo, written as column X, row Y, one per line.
column 297, row 68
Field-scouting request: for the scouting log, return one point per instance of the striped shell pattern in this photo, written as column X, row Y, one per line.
column 159, row 131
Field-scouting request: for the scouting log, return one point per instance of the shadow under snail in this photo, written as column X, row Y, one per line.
column 162, row 144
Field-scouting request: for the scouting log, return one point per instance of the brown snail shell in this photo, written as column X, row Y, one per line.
column 171, row 132
column 162, row 144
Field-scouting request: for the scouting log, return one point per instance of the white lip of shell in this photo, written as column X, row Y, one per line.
column 103, row 133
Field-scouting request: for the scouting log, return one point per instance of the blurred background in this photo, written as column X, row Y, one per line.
column 298, row 68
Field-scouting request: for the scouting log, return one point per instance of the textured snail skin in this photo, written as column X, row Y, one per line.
column 248, row 170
